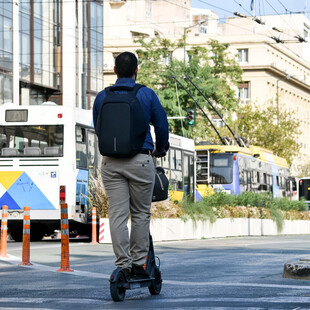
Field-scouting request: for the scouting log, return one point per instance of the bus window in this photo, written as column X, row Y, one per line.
column 81, row 154
column 91, row 152
column 34, row 140
column 176, row 175
column 222, row 168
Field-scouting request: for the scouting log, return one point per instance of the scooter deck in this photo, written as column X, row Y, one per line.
column 137, row 283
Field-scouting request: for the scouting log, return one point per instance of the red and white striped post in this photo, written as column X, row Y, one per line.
column 26, row 238
column 4, row 232
column 94, row 226
column 65, row 265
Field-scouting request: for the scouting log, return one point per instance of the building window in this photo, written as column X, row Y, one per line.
column 38, row 37
column 24, row 40
column 218, row 122
column 6, row 88
column 243, row 55
column 37, row 41
column 6, row 51
column 36, row 97
column 96, row 47
column 244, row 92
column 166, row 60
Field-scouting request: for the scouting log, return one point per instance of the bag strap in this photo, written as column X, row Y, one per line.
column 133, row 89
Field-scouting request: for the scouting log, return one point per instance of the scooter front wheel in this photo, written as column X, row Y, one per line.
column 117, row 289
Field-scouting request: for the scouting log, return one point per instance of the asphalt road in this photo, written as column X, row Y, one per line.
column 230, row 273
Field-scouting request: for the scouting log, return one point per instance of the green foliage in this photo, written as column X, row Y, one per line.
column 270, row 128
column 211, row 207
column 212, row 69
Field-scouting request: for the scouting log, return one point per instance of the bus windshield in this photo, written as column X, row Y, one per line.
column 304, row 189
column 221, row 168
column 31, row 140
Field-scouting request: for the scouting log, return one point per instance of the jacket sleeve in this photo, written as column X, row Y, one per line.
column 160, row 123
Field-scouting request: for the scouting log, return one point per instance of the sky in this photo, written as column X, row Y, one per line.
column 226, row 8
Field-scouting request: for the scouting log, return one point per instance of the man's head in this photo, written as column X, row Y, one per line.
column 126, row 65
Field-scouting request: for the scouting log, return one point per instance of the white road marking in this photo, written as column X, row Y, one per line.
column 14, row 260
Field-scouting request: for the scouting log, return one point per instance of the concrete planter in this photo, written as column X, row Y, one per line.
column 177, row 229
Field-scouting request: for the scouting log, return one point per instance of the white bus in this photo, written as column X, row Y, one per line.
column 180, row 167
column 47, row 155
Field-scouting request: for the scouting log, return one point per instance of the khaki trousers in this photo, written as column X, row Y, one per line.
column 129, row 186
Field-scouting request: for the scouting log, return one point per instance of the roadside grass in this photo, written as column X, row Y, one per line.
column 247, row 204
column 213, row 207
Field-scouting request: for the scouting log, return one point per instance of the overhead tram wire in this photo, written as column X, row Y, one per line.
column 187, row 78
column 277, row 39
column 201, row 109
column 283, row 6
column 282, row 17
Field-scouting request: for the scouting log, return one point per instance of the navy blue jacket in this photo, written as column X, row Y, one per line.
column 154, row 113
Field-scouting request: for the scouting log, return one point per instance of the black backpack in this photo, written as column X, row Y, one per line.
column 121, row 127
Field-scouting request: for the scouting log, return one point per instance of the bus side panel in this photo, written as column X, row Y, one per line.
column 82, row 187
column 37, row 189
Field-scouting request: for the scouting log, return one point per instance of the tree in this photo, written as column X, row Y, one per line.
column 212, row 68
column 270, row 128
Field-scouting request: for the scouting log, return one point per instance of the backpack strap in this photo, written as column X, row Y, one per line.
column 128, row 88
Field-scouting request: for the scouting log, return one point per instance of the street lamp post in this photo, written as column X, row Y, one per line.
column 287, row 77
column 185, row 29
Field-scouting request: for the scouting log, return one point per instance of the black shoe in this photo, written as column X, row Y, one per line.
column 127, row 273
column 138, row 272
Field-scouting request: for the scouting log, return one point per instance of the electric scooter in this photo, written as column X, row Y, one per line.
column 119, row 284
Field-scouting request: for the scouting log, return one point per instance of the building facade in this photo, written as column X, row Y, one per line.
column 273, row 52
column 51, row 51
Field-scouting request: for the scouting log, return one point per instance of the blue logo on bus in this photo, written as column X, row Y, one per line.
column 53, row 174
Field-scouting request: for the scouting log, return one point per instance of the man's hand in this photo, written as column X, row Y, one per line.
column 159, row 154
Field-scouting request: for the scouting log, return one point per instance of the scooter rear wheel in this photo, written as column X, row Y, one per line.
column 155, row 286
column 117, row 289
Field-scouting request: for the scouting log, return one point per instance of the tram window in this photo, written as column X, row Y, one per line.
column 264, row 178
column 253, row 175
column 186, row 174
column 222, row 168
column 249, row 177
column 241, row 178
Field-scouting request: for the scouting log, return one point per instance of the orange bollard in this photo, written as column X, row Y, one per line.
column 94, row 226
column 4, row 232
column 26, row 238
column 65, row 265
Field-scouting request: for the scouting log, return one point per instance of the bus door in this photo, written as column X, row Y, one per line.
column 188, row 175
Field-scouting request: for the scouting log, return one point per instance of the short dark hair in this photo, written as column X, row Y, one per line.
column 126, row 64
